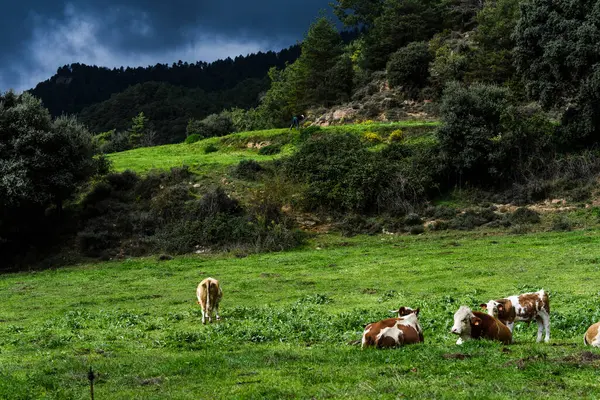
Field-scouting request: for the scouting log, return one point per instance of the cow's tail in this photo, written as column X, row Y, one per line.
column 208, row 296
column 545, row 299
column 585, row 342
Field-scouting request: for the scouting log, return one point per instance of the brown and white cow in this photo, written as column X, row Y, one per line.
column 209, row 295
column 470, row 324
column 394, row 332
column 592, row 336
column 404, row 311
column 524, row 307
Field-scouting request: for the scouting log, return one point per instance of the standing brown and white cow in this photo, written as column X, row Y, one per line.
column 470, row 324
column 592, row 336
column 394, row 332
column 524, row 307
column 209, row 295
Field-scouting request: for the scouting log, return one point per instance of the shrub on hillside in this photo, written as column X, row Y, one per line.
column 524, row 215
column 396, row 136
column 247, row 169
column 193, row 138
column 413, row 219
column 471, row 219
column 211, row 126
column 270, row 150
column 372, row 137
column 127, row 215
column 484, row 139
column 210, row 148
column 356, row 224
column 409, row 67
column 561, row 223
column 340, row 173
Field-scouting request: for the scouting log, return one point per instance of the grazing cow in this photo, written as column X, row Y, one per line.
column 592, row 336
column 394, row 332
column 525, row 307
column 209, row 295
column 475, row 325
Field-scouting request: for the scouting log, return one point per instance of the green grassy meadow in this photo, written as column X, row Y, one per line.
column 233, row 148
column 288, row 318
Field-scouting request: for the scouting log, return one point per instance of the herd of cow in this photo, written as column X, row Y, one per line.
column 496, row 324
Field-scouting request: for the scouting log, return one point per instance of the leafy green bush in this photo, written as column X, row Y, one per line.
column 413, row 219
column 471, row 219
column 247, row 169
column 193, row 138
column 486, row 140
column 124, row 214
column 340, row 172
column 409, row 67
column 372, row 137
column 561, row 223
column 524, row 215
column 355, row 224
column 270, row 150
column 396, row 136
column 211, row 126
column 210, row 148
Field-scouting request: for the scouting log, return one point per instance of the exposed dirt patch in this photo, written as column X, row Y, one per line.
column 157, row 380
column 521, row 363
column 586, row 357
column 369, row 291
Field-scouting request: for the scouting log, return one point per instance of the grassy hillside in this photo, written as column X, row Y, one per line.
column 287, row 319
column 234, row 148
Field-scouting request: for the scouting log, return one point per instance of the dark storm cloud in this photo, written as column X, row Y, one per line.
column 39, row 36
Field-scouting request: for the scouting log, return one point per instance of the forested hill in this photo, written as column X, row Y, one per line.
column 168, row 107
column 77, row 86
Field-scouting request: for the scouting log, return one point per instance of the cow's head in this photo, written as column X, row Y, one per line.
column 463, row 319
column 493, row 308
column 404, row 311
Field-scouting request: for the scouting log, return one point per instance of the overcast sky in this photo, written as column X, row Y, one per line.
column 38, row 36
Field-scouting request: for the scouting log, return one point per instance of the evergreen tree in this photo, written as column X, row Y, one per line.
column 138, row 129
column 321, row 57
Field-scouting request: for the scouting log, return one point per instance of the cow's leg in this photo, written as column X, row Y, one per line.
column 540, row 322
column 546, row 320
column 217, row 311
column 510, row 326
column 203, row 317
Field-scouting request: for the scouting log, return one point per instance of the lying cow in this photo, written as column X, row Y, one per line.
column 394, row 332
column 209, row 295
column 475, row 325
column 592, row 336
column 525, row 307
column 404, row 311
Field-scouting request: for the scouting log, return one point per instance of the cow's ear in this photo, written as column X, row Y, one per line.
column 476, row 321
column 484, row 306
column 500, row 307
column 417, row 311
column 402, row 310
